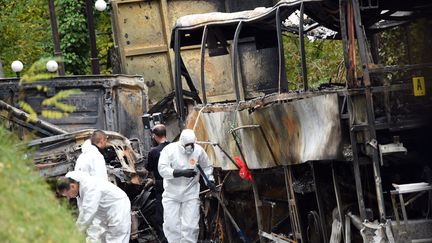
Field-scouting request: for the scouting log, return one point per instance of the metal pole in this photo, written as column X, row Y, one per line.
column 356, row 164
column 319, row 201
column 281, row 59
column 350, row 64
column 351, row 71
column 344, row 36
column 264, row 136
column 91, row 29
column 178, row 80
column 203, row 46
column 347, row 229
column 302, row 49
column 234, row 61
column 338, row 197
column 56, row 37
column 258, row 203
column 361, row 38
column 24, row 116
column 292, row 204
column 239, row 231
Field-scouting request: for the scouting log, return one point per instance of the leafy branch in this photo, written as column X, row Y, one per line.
column 37, row 71
column 52, row 107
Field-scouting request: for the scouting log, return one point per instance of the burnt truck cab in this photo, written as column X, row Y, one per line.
column 106, row 102
column 56, row 155
column 113, row 103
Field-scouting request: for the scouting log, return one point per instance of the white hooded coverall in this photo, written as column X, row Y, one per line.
column 180, row 198
column 92, row 162
column 109, row 202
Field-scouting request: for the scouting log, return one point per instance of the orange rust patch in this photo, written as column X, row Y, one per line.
column 293, row 136
column 200, row 130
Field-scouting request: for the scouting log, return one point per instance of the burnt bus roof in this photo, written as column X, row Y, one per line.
column 385, row 14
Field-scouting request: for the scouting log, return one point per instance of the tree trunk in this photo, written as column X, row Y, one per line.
column 1, row 69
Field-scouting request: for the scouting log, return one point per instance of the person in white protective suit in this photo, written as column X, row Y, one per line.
column 99, row 197
column 180, row 198
column 91, row 159
column 92, row 162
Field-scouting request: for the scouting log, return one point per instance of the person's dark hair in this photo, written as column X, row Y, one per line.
column 63, row 184
column 159, row 130
column 97, row 136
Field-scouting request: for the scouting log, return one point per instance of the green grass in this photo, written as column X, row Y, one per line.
column 29, row 210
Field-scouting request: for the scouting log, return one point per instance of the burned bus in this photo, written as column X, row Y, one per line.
column 345, row 161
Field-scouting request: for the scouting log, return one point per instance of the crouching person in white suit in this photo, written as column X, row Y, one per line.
column 102, row 198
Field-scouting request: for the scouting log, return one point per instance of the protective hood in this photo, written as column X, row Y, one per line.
column 187, row 136
column 76, row 175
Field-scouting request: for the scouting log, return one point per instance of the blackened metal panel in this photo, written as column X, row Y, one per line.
column 9, row 90
column 114, row 103
column 130, row 107
column 89, row 111
column 297, row 131
column 259, row 70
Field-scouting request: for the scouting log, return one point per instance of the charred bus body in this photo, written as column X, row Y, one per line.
column 330, row 163
column 348, row 162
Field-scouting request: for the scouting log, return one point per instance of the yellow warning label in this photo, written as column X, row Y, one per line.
column 419, row 86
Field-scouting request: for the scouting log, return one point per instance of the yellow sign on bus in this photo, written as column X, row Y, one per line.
column 419, row 86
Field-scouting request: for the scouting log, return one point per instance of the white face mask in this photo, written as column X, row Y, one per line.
column 189, row 148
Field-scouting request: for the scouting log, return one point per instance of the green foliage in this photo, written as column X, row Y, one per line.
column 38, row 71
column 62, row 108
column 104, row 39
column 29, row 109
column 73, row 36
column 28, row 208
column 406, row 44
column 25, row 33
column 52, row 107
column 324, row 60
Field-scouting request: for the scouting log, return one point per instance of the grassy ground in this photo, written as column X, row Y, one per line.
column 29, row 211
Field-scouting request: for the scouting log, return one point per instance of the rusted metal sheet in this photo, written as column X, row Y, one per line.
column 143, row 32
column 296, row 131
column 216, row 68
